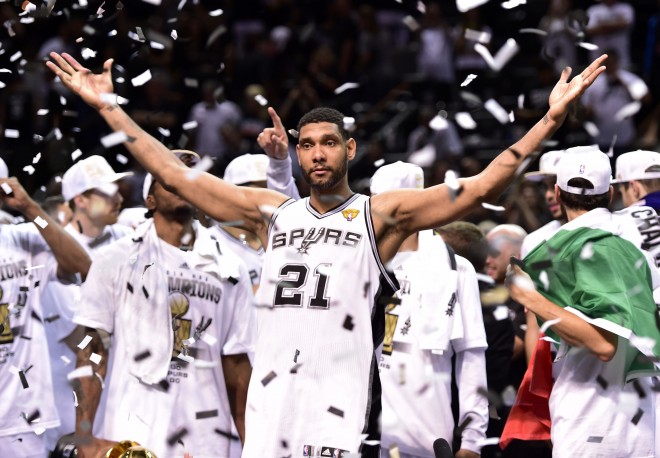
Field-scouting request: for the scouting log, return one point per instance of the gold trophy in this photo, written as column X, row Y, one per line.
column 129, row 449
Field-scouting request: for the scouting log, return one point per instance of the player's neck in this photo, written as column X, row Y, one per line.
column 86, row 226
column 326, row 200
column 174, row 232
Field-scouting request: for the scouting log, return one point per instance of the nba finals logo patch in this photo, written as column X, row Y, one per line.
column 582, row 169
column 350, row 214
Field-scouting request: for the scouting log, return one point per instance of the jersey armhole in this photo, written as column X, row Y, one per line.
column 388, row 276
column 275, row 214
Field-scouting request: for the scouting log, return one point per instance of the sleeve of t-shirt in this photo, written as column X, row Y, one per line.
column 474, row 334
column 242, row 327
column 279, row 177
column 98, row 293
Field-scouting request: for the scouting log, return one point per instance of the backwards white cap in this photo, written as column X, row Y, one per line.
column 547, row 165
column 399, row 175
column 637, row 165
column 586, row 162
column 248, row 168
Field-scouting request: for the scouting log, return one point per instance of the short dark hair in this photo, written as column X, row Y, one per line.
column 467, row 240
column 324, row 114
column 583, row 201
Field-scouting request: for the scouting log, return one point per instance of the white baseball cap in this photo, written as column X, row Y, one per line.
column 247, row 168
column 547, row 165
column 189, row 158
column 637, row 165
column 586, row 162
column 4, row 171
column 398, row 175
column 91, row 173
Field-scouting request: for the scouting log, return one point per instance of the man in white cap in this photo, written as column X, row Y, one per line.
column 547, row 176
column 26, row 265
column 90, row 188
column 592, row 285
column 638, row 172
column 436, row 314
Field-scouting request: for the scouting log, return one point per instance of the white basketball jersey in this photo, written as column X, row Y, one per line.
column 314, row 386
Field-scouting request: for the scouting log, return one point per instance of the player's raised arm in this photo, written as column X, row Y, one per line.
column 220, row 200
column 415, row 210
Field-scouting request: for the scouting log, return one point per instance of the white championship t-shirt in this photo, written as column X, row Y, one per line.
column 196, row 397
column 252, row 258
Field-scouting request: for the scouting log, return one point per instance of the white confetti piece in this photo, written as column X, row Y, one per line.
column 6, row 188
column 112, row 33
column 379, row 162
column 466, row 5
column 95, row 358
column 75, row 399
column 346, row 87
column 164, row 132
column 543, row 278
column 261, row 100
column 510, row 4
column 512, row 116
column 58, row 133
column 29, row 169
column 2, row 85
column 544, row 327
column 17, row 55
column 468, row 79
column 80, row 372
column 216, row 13
column 188, row 342
column 156, row 45
column 5, row 70
column 202, row 364
column 501, row 312
column 14, row 370
column 637, row 89
column 411, row 23
column 465, row 120
column 509, row 396
column 480, row 443
column 349, row 123
column 587, row 251
column 202, row 166
column 152, row 2
column 497, row 111
column 451, row 180
column 115, row 138
column 503, row 56
column 39, row 221
column 588, row 46
column 87, row 53
column 174, row 35
column 76, row 154
column 209, row 339
column 86, row 340
column 187, row 358
column 591, row 128
column 39, row 431
column 521, row 101
column 478, row 36
column 628, row 110
column 79, row 40
column 438, row 123
column 189, row 125
column 495, row 208
column 523, row 282
column 65, row 359
column 122, row 159
column 190, row 82
column 12, row 133
column 141, row 79
column 534, row 31
column 610, row 151
column 62, row 101
column 36, row 158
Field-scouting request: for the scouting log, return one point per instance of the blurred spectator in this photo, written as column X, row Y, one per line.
column 559, row 43
column 609, row 27
column 255, row 118
column 610, row 103
column 466, row 58
column 525, row 207
column 437, row 132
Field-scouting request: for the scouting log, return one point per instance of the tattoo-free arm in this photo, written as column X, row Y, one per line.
column 237, row 371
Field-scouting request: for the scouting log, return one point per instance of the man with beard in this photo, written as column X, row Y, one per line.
column 187, row 382
column 320, row 312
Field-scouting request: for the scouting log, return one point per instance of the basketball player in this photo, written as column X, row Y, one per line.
column 28, row 407
column 320, row 310
column 186, row 383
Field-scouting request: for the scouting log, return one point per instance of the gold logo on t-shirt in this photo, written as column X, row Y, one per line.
column 6, row 336
column 390, row 327
column 179, row 305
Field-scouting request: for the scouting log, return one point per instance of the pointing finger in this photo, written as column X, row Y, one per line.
column 277, row 122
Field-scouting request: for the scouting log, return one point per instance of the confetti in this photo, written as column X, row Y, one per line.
column 588, row 46
column 206, row 414
column 156, row 45
column 587, row 251
column 174, row 35
column 346, row 87
column 478, row 36
column 637, row 89
column 87, row 53
column 468, row 79
column 591, row 128
column 186, row 358
column 349, row 123
column 65, row 359
column 12, row 133
column 189, row 125
column 610, row 151
column 261, row 100
column 24, row 381
column 497, row 111
column 336, row 411
column 202, row 166
column 465, row 120
column 510, row 4
column 141, row 79
column 83, row 343
column 411, row 23
column 191, row 82
column 637, row 417
column 268, row 378
column 501, row 312
column 487, row 441
column 348, row 323
column 95, row 358
column 438, row 123
column 543, row 278
column 502, row 57
column 294, row 133
column 29, row 169
column 80, row 372
column 466, row 5
column 521, row 101
column 209, row 339
column 602, row 382
column 215, row 13
column 534, row 31
column 177, row 436
column 39, row 221
column 113, row 139
column 628, row 110
column 36, row 158
column 76, row 154
column 495, row 208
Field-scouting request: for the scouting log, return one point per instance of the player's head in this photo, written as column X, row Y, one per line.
column 165, row 203
column 398, row 175
column 324, row 148
column 583, row 179
column 504, row 241
column 467, row 240
column 90, row 188
column 547, row 175
column 247, row 170
column 638, row 173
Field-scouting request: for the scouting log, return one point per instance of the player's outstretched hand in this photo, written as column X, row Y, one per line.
column 81, row 80
column 565, row 92
column 13, row 194
column 273, row 140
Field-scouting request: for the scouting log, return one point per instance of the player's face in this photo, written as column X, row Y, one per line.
column 499, row 255
column 102, row 208
column 553, row 206
column 169, row 204
column 323, row 155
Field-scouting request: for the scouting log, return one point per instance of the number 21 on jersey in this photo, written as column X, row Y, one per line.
column 293, row 278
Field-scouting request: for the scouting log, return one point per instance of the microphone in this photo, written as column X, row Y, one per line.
column 441, row 449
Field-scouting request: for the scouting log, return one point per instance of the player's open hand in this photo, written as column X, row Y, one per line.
column 81, row 80
column 273, row 140
column 13, row 194
column 565, row 92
